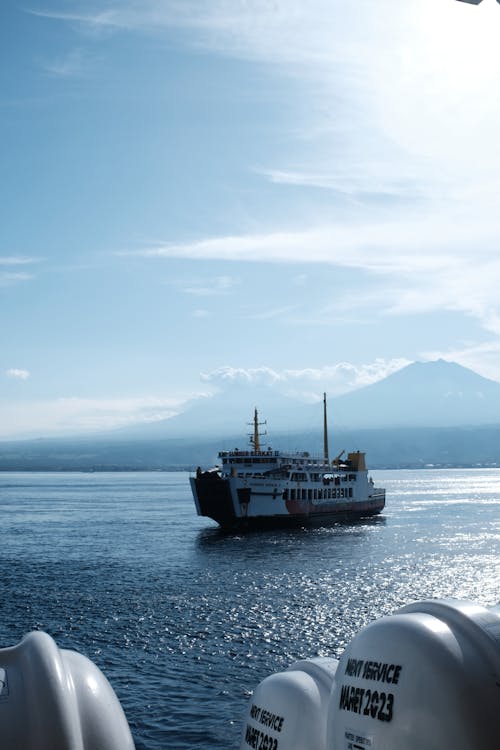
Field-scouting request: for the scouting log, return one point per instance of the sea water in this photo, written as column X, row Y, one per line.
column 185, row 621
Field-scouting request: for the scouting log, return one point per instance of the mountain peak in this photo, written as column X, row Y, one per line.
column 433, row 393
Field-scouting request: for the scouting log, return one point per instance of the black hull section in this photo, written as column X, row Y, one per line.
column 214, row 500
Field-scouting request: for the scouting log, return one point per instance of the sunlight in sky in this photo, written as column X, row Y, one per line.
column 451, row 65
column 172, row 169
column 461, row 45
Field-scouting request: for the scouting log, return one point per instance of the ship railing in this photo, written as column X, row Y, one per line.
column 249, row 454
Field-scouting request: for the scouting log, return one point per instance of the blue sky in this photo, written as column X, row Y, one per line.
column 303, row 193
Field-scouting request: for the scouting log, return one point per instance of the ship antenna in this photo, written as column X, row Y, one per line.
column 255, row 438
column 325, row 431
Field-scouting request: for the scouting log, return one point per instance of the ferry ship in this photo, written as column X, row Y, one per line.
column 265, row 487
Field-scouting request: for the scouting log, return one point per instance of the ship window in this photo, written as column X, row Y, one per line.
column 285, row 494
column 292, row 494
column 350, row 491
column 309, row 494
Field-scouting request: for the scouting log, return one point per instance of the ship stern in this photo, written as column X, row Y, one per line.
column 213, row 498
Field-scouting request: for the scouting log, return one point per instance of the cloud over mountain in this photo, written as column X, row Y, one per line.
column 420, row 394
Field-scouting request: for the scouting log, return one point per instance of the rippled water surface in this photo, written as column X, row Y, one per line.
column 185, row 620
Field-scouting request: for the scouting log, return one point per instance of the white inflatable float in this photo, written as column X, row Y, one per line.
column 427, row 677
column 55, row 699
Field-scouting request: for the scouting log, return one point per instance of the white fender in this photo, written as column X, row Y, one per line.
column 55, row 699
column 287, row 710
column 426, row 677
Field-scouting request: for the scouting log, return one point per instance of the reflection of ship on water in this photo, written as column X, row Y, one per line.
column 266, row 487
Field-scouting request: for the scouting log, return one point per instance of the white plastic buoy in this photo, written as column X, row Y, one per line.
column 288, row 709
column 426, row 677
column 55, row 699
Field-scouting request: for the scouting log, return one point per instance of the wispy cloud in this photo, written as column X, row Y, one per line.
column 365, row 246
column 75, row 63
column 17, row 373
column 89, row 20
column 16, row 260
column 10, row 277
column 307, row 383
column 358, row 183
column 208, row 287
column 242, row 376
column 273, row 312
column 416, row 266
column 7, row 278
column 66, row 416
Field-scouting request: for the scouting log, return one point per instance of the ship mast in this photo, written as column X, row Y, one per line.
column 255, row 438
column 325, row 432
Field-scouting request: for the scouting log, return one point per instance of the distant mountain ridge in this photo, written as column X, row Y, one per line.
column 422, row 394
column 386, row 448
column 426, row 413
